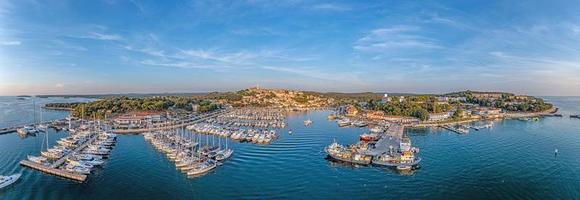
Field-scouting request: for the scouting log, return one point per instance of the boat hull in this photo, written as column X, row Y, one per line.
column 391, row 164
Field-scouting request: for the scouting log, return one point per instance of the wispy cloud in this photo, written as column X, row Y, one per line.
column 335, row 76
column 330, row 7
column 102, row 36
column 397, row 37
column 10, row 43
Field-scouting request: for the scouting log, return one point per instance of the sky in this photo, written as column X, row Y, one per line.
column 138, row 46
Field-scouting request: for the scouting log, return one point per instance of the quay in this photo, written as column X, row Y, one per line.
column 391, row 138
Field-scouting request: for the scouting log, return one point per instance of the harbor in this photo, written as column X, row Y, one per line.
column 137, row 165
column 384, row 149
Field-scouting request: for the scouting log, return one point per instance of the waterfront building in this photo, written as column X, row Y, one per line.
column 385, row 98
column 136, row 120
column 351, row 111
column 439, row 116
column 487, row 95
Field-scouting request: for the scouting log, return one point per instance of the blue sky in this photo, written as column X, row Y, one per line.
column 88, row 47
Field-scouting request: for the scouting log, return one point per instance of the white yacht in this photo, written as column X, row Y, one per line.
column 37, row 159
column 8, row 180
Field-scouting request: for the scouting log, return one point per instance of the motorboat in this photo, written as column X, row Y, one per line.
column 37, row 159
column 8, row 180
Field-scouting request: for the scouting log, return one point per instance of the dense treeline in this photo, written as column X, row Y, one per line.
column 61, row 105
column 413, row 106
column 529, row 105
column 123, row 104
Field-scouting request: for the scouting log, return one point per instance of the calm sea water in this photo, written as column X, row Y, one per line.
column 16, row 111
column 514, row 160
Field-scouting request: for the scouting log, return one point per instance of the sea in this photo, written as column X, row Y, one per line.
column 515, row 159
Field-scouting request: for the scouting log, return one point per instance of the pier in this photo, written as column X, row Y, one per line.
column 7, row 130
column 56, row 168
column 78, row 149
column 53, row 168
column 457, row 130
column 168, row 127
column 54, row 171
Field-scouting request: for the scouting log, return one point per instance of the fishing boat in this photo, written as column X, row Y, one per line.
column 8, row 180
column 396, row 160
column 404, row 167
column 341, row 153
column 369, row 137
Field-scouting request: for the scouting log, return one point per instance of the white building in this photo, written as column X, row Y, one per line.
column 385, row 98
column 439, row 116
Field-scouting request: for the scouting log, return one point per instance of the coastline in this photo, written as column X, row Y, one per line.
column 503, row 116
column 534, row 114
column 57, row 108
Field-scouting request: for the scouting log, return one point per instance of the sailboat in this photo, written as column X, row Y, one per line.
column 41, row 126
column 40, row 159
column 224, row 154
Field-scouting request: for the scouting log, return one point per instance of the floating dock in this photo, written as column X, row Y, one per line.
column 460, row 131
column 7, row 130
column 54, row 171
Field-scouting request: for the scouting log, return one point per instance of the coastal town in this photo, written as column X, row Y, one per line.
column 195, row 133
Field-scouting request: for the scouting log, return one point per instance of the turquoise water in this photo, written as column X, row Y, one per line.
column 514, row 160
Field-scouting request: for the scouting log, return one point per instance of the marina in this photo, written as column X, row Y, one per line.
column 75, row 156
column 137, row 165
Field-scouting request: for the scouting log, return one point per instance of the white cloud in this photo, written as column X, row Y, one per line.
column 397, row 37
column 104, row 37
column 59, row 85
column 330, row 7
column 10, row 43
